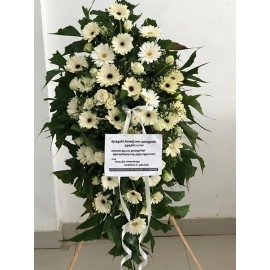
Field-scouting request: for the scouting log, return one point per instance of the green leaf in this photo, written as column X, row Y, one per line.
column 92, row 234
column 176, row 195
column 92, row 221
column 75, row 47
column 149, row 237
column 116, row 251
column 191, row 154
column 67, row 176
column 68, row 31
column 195, row 78
column 167, row 44
column 190, row 83
column 123, row 94
column 183, row 171
column 51, row 74
column 149, row 22
column 134, row 17
column 191, row 134
column 114, row 233
column 193, row 70
column 85, row 12
column 179, row 211
column 189, row 61
column 157, row 225
column 192, row 101
column 58, row 59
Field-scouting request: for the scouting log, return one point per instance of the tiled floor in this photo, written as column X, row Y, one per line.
column 213, row 253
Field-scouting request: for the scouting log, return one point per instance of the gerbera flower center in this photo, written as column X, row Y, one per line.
column 149, row 54
column 133, row 193
column 104, row 55
column 122, row 44
column 116, row 118
column 118, row 13
column 109, row 76
column 78, row 66
column 92, row 33
column 148, row 115
column 167, row 120
column 135, row 223
column 89, row 120
column 103, row 201
column 167, row 85
column 131, row 88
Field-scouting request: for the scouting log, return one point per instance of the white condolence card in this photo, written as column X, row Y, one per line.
column 133, row 154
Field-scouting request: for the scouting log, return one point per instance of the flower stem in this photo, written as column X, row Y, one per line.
column 120, row 25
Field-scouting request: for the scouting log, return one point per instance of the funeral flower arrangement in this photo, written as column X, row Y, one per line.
column 111, row 64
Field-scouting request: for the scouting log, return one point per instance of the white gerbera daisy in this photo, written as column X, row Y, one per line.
column 86, row 84
column 88, row 104
column 169, row 85
column 122, row 43
column 88, row 120
column 149, row 117
column 133, row 197
column 72, row 108
column 154, row 180
column 170, row 121
column 101, row 96
column 114, row 118
column 174, row 148
column 181, row 111
column 136, row 226
column 150, row 31
column 149, row 52
column 90, row 31
column 102, row 204
column 102, row 54
column 108, row 75
column 150, row 97
column 177, row 76
column 156, row 197
column 76, row 63
column 99, row 157
column 132, row 86
column 159, row 125
column 119, row 11
column 74, row 84
column 85, row 155
column 109, row 182
column 90, row 156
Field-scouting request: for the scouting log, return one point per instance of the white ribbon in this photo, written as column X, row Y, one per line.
column 147, row 191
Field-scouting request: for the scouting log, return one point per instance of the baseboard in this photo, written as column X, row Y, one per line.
column 48, row 239
column 194, row 226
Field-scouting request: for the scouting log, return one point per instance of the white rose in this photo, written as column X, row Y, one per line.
column 128, row 25
column 134, row 120
column 167, row 177
column 179, row 97
column 99, row 157
column 137, row 68
column 79, row 141
column 96, row 180
column 169, row 60
column 93, row 72
column 88, row 47
column 101, row 96
column 110, row 102
column 74, row 84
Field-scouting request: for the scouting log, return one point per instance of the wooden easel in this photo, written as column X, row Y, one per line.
column 80, row 244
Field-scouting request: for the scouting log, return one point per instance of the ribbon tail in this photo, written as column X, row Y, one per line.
column 149, row 213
